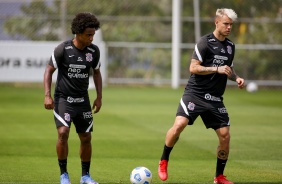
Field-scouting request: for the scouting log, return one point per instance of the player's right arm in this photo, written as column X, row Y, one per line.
column 48, row 100
column 56, row 58
column 198, row 58
column 197, row 68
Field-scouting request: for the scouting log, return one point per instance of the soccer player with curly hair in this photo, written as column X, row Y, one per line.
column 74, row 60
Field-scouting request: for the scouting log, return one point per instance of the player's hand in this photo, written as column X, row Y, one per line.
column 240, row 82
column 224, row 70
column 97, row 105
column 48, row 103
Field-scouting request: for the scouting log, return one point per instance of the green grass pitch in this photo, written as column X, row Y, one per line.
column 130, row 131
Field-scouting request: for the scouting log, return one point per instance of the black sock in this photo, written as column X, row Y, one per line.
column 85, row 168
column 220, row 166
column 63, row 166
column 166, row 153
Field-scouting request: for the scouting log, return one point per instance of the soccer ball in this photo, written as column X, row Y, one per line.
column 141, row 175
column 252, row 87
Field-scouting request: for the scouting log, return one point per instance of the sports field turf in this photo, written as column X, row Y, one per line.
column 130, row 132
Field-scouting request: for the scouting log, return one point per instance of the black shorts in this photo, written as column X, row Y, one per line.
column 211, row 110
column 80, row 113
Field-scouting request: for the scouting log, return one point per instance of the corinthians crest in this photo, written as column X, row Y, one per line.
column 229, row 49
column 89, row 57
column 191, row 106
column 67, row 116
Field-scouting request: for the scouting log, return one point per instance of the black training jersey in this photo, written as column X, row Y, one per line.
column 211, row 53
column 74, row 68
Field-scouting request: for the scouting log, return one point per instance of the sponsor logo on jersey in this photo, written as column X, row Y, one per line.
column 211, row 40
column 229, row 49
column 230, row 42
column 75, row 100
column 191, row 106
column 92, row 50
column 68, row 47
column 220, row 57
column 77, row 66
column 67, row 116
column 79, row 59
column 87, row 115
column 78, row 75
column 75, row 71
column 89, row 57
column 219, row 60
column 222, row 110
column 212, row 98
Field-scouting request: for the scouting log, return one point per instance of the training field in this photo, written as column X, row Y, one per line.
column 130, row 131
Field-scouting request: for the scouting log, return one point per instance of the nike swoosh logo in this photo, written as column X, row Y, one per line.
column 71, row 55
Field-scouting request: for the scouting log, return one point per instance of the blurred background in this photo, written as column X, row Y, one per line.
column 137, row 38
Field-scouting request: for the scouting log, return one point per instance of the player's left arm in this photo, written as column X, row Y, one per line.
column 97, row 78
column 234, row 77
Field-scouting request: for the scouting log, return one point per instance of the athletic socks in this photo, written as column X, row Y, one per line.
column 220, row 165
column 84, row 165
column 166, row 153
column 85, row 168
column 63, row 166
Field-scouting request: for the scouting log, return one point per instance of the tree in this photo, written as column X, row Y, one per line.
column 150, row 21
column 123, row 20
column 36, row 23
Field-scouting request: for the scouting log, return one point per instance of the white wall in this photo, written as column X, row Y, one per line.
column 25, row 61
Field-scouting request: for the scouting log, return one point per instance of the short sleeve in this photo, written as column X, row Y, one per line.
column 96, row 63
column 57, row 56
column 200, row 50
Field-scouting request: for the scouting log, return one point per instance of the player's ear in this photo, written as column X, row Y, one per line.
column 216, row 22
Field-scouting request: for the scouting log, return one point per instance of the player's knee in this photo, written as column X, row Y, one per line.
column 85, row 138
column 225, row 139
column 63, row 134
column 179, row 125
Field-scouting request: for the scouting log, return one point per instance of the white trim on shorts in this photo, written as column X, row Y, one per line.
column 60, row 119
column 184, row 107
column 90, row 126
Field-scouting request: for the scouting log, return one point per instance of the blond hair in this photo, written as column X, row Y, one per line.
column 228, row 12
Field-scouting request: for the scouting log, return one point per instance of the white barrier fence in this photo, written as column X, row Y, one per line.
column 24, row 61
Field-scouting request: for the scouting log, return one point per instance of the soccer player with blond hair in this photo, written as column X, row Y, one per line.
column 211, row 66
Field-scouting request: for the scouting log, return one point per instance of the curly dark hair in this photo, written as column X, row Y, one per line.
column 83, row 21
